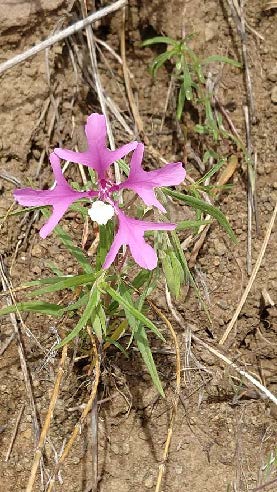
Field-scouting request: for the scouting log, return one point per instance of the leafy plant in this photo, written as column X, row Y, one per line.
column 192, row 82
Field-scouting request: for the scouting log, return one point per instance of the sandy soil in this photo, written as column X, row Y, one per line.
column 225, row 431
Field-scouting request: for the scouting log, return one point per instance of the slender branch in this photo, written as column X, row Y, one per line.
column 78, row 26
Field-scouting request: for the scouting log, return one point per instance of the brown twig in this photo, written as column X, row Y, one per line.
column 177, row 316
column 69, row 31
column 7, row 288
column 177, row 394
column 78, row 427
column 14, row 432
column 46, row 425
column 252, row 278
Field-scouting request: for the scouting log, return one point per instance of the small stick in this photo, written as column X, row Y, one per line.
column 252, row 278
column 6, row 345
column 7, row 288
column 177, row 394
column 78, row 427
column 47, row 422
column 126, row 74
column 225, row 359
column 15, row 432
column 78, row 26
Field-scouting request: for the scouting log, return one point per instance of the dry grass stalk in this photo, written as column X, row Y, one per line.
column 252, row 278
column 14, row 432
column 46, row 425
column 7, row 288
column 78, row 427
column 221, row 356
column 177, row 395
column 59, row 36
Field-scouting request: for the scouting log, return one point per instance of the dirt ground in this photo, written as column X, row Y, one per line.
column 225, row 432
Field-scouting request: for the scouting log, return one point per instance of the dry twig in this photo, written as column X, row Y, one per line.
column 59, row 36
column 46, row 425
column 78, row 427
column 177, row 395
column 14, row 432
column 252, row 278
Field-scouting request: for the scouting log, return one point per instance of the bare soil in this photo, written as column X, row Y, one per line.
column 225, row 430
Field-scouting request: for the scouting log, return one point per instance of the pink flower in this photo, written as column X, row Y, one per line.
column 130, row 232
column 144, row 182
column 61, row 197
column 99, row 157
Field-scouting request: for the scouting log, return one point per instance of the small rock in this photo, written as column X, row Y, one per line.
column 27, row 434
column 37, row 251
column 115, row 448
column 149, row 482
column 211, row 31
column 272, row 75
column 219, row 247
column 274, row 95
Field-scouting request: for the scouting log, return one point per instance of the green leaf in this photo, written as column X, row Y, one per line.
column 106, row 233
column 99, row 322
column 143, row 346
column 93, row 300
column 191, row 224
column 39, row 307
column 160, row 39
column 160, row 60
column 198, row 204
column 132, row 310
column 67, row 283
column 223, row 59
column 173, row 272
column 181, row 102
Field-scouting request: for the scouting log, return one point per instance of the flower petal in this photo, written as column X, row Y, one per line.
column 97, row 156
column 144, row 182
column 61, row 197
column 130, row 232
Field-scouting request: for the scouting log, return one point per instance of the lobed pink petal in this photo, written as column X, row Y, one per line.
column 61, row 197
column 54, row 219
column 78, row 157
column 130, row 233
column 97, row 156
column 143, row 182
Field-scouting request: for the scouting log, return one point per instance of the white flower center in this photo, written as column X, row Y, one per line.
column 101, row 212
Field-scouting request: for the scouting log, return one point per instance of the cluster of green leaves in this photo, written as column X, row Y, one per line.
column 189, row 72
column 105, row 301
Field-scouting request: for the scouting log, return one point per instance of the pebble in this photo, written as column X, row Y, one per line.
column 115, row 448
column 149, row 482
column 37, row 251
column 211, row 31
column 219, row 247
column 272, row 75
column 274, row 95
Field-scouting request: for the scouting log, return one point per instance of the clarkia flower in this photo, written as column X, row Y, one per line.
column 99, row 157
column 60, row 197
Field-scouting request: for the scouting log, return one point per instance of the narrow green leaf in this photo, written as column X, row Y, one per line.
column 106, row 234
column 173, row 272
column 39, row 307
column 223, row 59
column 191, row 224
column 204, row 207
column 159, row 39
column 160, row 60
column 143, row 346
column 67, row 283
column 92, row 302
column 137, row 314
